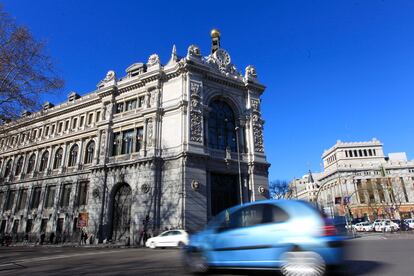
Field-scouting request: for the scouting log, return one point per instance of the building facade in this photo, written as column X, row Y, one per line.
column 164, row 146
column 358, row 180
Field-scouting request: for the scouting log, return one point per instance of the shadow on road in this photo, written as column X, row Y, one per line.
column 350, row 268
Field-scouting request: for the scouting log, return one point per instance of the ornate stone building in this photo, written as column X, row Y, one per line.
column 359, row 180
column 163, row 146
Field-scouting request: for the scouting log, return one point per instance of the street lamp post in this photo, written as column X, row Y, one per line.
column 238, row 163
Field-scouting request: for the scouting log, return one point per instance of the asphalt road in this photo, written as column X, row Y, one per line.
column 369, row 255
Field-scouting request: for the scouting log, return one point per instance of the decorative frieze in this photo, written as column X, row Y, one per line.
column 196, row 117
column 257, row 126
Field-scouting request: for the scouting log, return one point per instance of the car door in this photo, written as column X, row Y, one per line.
column 164, row 239
column 248, row 238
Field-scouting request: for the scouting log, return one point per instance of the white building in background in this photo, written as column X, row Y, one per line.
column 158, row 147
column 359, row 179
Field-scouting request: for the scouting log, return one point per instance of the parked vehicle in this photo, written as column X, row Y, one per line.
column 364, row 227
column 410, row 223
column 386, row 225
column 171, row 238
column 403, row 225
column 289, row 235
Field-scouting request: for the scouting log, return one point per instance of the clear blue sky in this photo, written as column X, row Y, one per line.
column 333, row 69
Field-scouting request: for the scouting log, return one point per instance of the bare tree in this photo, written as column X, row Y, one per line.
column 279, row 189
column 25, row 70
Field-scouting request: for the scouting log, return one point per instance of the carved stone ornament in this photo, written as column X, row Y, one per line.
column 196, row 127
column 195, row 185
column 96, row 193
column 196, row 117
column 255, row 105
column 149, row 133
column 109, row 76
column 193, row 51
column 261, row 190
column 154, row 59
column 145, row 188
column 250, row 72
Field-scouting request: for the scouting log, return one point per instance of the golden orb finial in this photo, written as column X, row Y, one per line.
column 215, row 33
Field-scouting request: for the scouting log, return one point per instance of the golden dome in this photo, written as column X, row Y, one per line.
column 215, row 33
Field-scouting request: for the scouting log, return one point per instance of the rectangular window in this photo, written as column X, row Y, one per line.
column 361, row 193
column 66, row 125
column 1, row 200
column 29, row 226
column 127, row 141
column 47, row 131
column 50, row 196
column 40, row 133
column 139, row 139
column 74, row 123
column 34, row 204
column 404, row 189
column 90, row 118
column 53, row 130
column 98, row 116
column 43, row 226
column 119, row 108
column 131, row 104
column 15, row 228
column 60, row 127
column 64, row 200
column 371, row 196
column 22, row 200
column 380, row 190
column 141, row 101
column 82, row 119
column 3, row 226
column 117, row 141
column 82, row 193
column 10, row 200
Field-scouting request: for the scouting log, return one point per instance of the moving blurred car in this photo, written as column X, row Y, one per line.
column 402, row 224
column 171, row 238
column 364, row 227
column 289, row 235
column 386, row 225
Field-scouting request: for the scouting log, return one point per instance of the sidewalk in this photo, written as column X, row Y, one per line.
column 100, row 245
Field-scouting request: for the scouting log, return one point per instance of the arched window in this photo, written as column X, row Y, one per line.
column 31, row 163
column 43, row 161
column 19, row 166
column 90, row 149
column 58, row 158
column 221, row 126
column 7, row 170
column 73, row 155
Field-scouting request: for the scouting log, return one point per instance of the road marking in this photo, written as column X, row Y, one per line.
column 56, row 257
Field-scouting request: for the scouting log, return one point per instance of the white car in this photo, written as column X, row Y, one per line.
column 385, row 224
column 171, row 238
column 410, row 223
column 364, row 226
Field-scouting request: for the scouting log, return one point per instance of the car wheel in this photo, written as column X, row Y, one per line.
column 196, row 262
column 152, row 245
column 180, row 244
column 302, row 263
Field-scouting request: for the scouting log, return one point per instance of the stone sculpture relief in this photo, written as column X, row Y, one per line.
column 196, row 118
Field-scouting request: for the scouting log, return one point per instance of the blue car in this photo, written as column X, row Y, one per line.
column 289, row 235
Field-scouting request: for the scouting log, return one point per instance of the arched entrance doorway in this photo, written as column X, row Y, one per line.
column 121, row 212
